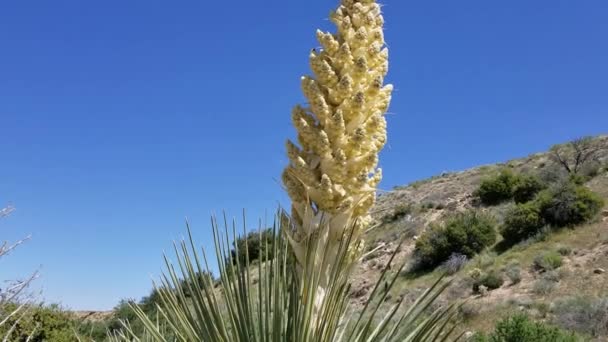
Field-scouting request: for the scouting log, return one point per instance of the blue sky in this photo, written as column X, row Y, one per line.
column 120, row 118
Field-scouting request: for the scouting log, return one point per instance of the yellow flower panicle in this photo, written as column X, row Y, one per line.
column 332, row 173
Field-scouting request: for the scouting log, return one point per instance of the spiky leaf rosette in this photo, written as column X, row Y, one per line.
column 332, row 173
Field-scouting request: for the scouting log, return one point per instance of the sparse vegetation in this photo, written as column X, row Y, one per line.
column 400, row 211
column 543, row 286
column 465, row 234
column 587, row 316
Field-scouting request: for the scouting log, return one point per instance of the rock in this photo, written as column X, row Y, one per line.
column 599, row 271
column 359, row 293
column 605, row 213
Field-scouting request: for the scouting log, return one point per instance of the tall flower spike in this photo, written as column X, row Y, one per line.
column 332, row 175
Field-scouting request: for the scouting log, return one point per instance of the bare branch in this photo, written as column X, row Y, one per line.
column 6, row 248
column 6, row 211
column 573, row 156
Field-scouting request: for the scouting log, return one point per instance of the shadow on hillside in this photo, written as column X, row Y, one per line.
column 413, row 273
column 502, row 247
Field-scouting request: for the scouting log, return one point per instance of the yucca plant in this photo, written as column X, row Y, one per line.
column 299, row 289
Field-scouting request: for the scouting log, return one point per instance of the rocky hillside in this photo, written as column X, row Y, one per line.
column 565, row 296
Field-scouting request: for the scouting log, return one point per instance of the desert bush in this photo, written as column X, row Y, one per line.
column 475, row 273
column 464, row 233
column 92, row 330
column 485, row 260
column 252, row 246
column 455, row 263
column 564, row 250
column 548, row 261
column 568, row 204
column 552, row 174
column 554, row 276
column 522, row 222
column 520, row 328
column 459, row 288
column 38, row 323
column 428, row 205
column 490, row 280
column 592, row 170
column 584, row 315
column 498, row 188
column 543, row 286
column 469, row 310
column 513, row 272
column 526, row 188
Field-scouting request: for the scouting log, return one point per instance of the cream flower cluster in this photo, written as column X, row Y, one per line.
column 332, row 175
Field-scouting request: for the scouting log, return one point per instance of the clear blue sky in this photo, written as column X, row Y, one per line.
column 120, row 118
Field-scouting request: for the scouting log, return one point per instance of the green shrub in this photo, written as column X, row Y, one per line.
column 498, row 188
column 577, row 179
column 565, row 204
column 252, row 246
column 465, row 233
column 522, row 222
column 526, row 188
column 43, row 323
column 548, row 261
column 568, row 204
column 520, row 328
column 491, row 280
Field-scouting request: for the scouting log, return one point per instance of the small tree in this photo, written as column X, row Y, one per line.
column 573, row 156
column 16, row 289
column 13, row 298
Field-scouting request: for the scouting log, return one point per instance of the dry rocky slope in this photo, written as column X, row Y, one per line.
column 408, row 211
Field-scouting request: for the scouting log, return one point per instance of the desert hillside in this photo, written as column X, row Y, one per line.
column 576, row 287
